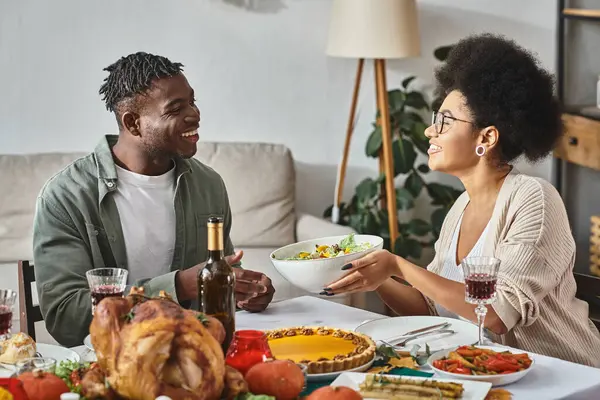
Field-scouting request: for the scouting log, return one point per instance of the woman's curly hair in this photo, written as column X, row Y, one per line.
column 504, row 86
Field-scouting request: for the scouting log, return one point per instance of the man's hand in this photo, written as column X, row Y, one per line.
column 253, row 290
column 186, row 283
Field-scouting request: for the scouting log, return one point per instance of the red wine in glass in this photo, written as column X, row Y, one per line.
column 480, row 287
column 5, row 319
column 103, row 291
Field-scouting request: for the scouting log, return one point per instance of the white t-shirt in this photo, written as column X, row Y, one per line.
column 455, row 272
column 147, row 213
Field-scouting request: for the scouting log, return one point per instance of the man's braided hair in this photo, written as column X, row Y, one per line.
column 133, row 75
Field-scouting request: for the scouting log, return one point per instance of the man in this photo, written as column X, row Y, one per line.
column 139, row 201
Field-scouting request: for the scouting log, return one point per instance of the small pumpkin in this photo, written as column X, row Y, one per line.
column 41, row 385
column 282, row 379
column 334, row 393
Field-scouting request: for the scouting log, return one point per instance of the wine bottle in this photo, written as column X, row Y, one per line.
column 216, row 281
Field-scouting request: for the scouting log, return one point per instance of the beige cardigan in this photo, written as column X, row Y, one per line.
column 529, row 232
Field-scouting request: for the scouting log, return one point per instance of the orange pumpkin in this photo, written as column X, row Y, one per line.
column 282, row 379
column 334, row 393
column 40, row 385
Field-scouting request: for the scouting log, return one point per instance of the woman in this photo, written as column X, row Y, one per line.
column 499, row 105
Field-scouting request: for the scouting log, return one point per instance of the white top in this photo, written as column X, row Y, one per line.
column 453, row 271
column 147, row 213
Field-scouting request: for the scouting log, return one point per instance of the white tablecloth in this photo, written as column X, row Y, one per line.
column 550, row 379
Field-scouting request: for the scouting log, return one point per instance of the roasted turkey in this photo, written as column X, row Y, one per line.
column 147, row 347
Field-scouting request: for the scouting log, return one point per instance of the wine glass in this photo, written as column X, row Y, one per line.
column 106, row 282
column 481, row 274
column 7, row 302
column 45, row 364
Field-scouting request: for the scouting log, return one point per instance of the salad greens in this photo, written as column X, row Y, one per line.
column 347, row 245
column 64, row 370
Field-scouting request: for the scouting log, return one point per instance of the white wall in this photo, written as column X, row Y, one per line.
column 258, row 67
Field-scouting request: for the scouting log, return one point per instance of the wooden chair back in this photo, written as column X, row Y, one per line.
column 30, row 314
column 588, row 289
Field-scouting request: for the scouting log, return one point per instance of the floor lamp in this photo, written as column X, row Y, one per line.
column 378, row 30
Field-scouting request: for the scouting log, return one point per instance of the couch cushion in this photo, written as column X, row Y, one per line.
column 260, row 180
column 21, row 179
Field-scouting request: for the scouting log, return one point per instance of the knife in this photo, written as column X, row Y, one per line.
column 427, row 328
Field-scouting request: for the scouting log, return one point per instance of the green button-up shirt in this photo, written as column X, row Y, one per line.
column 77, row 228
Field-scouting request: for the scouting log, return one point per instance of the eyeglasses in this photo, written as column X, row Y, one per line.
column 443, row 122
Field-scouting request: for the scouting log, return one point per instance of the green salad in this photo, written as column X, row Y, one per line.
column 347, row 245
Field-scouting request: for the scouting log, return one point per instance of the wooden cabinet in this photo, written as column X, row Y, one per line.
column 581, row 142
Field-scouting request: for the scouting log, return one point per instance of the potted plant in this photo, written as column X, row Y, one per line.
column 364, row 212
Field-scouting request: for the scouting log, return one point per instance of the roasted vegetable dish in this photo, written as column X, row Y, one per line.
column 471, row 360
column 387, row 387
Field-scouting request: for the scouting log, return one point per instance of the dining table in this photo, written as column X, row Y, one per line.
column 550, row 378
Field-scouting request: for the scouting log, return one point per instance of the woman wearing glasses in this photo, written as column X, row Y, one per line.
column 499, row 106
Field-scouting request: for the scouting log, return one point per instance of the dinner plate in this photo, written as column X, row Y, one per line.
column 389, row 328
column 88, row 342
column 495, row 380
column 328, row 376
column 472, row 390
column 59, row 353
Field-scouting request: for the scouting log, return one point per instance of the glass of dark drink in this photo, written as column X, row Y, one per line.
column 481, row 274
column 106, row 282
column 7, row 302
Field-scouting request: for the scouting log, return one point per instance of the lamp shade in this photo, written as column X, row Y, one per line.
column 374, row 29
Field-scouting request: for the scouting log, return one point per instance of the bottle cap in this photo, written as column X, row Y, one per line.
column 69, row 396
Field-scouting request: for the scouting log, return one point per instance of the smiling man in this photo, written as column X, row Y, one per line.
column 139, row 202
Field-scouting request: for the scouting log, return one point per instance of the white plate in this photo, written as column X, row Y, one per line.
column 59, row 353
column 495, row 380
column 88, row 342
column 389, row 328
column 330, row 375
column 473, row 390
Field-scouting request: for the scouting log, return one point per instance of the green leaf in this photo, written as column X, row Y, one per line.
column 416, row 100
column 202, row 318
column 404, row 156
column 367, row 189
column 370, row 224
column 441, row 53
column 442, row 195
column 413, row 248
column 423, row 168
column 418, row 227
column 418, row 137
column 396, row 100
column 414, row 184
column 437, row 219
column 374, row 143
column 348, row 241
column 399, row 247
column 356, row 222
column 407, row 81
column 404, row 200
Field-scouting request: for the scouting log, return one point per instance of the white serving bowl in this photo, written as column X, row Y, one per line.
column 495, row 380
column 312, row 274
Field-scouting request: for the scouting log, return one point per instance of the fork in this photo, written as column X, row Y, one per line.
column 404, row 341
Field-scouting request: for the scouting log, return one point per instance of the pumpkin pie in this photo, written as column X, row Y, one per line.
column 322, row 349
